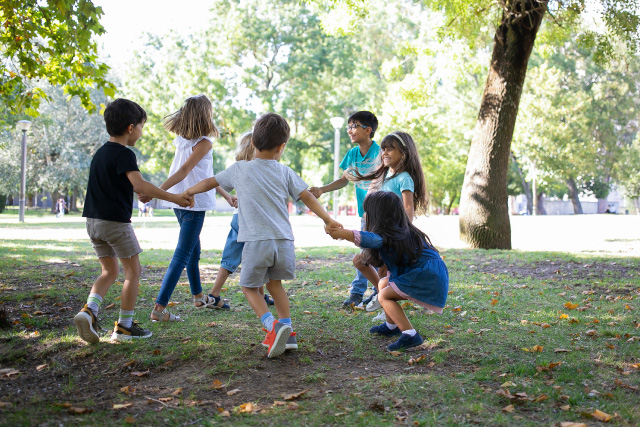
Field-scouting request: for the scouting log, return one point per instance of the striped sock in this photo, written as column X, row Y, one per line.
column 268, row 320
column 126, row 318
column 93, row 302
column 286, row 321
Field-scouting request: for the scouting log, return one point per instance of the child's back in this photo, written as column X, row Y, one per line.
column 263, row 188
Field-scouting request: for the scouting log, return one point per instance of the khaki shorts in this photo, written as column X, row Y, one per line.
column 266, row 260
column 112, row 239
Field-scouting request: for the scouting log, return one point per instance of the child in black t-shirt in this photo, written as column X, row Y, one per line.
column 113, row 177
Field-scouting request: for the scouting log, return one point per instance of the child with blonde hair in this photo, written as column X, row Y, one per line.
column 193, row 162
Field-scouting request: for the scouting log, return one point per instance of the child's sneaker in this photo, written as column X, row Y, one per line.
column 87, row 325
column 382, row 316
column 120, row 333
column 292, row 342
column 276, row 339
column 406, row 341
column 268, row 299
column 354, row 299
column 374, row 304
column 383, row 329
column 368, row 299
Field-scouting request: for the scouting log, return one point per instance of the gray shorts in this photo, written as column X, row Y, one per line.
column 112, row 239
column 266, row 260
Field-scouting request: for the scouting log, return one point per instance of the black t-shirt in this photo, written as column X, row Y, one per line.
column 109, row 192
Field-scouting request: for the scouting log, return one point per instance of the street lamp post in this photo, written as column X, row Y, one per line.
column 24, row 126
column 337, row 123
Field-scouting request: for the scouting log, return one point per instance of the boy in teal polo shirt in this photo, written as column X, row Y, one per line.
column 363, row 158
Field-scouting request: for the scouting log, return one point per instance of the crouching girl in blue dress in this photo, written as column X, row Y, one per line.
column 416, row 271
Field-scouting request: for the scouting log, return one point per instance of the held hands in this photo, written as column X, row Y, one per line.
column 185, row 200
column 317, row 192
column 144, row 198
column 233, row 201
column 331, row 227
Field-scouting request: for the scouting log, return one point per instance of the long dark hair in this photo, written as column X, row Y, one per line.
column 386, row 217
column 410, row 163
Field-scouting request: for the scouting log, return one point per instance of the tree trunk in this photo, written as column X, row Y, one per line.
column 540, row 208
column 484, row 216
column 602, row 205
column 525, row 185
column 573, row 194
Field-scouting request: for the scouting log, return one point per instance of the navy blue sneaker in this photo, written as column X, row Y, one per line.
column 268, row 299
column 406, row 341
column 383, row 329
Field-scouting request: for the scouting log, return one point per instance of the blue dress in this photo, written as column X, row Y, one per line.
column 425, row 282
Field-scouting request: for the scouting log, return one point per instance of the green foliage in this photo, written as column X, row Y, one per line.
column 49, row 41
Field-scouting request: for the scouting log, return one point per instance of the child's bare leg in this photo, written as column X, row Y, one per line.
column 256, row 301
column 395, row 314
column 108, row 276
column 131, row 283
column 221, row 278
column 262, row 291
column 280, row 297
column 368, row 271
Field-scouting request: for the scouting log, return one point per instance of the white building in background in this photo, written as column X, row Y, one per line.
column 616, row 204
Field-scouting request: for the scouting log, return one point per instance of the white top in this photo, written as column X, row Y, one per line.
column 203, row 170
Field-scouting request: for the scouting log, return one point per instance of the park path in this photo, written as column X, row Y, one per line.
column 612, row 235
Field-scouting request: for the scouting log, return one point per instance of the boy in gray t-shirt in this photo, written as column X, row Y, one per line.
column 263, row 187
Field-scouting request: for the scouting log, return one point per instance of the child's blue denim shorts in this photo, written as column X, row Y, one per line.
column 232, row 252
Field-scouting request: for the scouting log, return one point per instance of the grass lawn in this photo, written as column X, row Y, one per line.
column 527, row 338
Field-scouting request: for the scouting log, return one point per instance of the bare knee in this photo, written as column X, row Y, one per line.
column 357, row 263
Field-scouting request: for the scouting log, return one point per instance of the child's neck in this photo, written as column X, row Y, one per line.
column 364, row 146
column 120, row 139
column 267, row 154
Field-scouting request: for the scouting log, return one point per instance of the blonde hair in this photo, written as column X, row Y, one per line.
column 193, row 120
column 245, row 150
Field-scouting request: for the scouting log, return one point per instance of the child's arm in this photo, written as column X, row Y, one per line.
column 232, row 200
column 341, row 234
column 141, row 186
column 202, row 186
column 407, row 201
column 312, row 203
column 199, row 151
column 335, row 185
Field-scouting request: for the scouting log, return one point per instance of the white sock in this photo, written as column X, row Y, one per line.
column 391, row 326
column 93, row 302
column 410, row 332
column 126, row 318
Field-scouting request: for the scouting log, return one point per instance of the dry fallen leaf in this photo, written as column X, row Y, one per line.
column 537, row 348
column 571, row 306
column 246, row 408
column 121, row 405
column 541, row 398
column 224, row 413
column 109, row 306
column 508, row 408
column 572, row 424
column 561, row 350
column 217, row 384
column 41, row 367
column 177, row 392
column 233, row 392
column 565, row 407
column 294, row 396
column 128, row 389
column 601, row 416
column 130, row 420
column 165, row 399
column 395, row 353
column 129, row 363
column 140, row 374
column 79, row 411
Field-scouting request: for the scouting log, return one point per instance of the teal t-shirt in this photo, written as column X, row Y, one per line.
column 399, row 183
column 364, row 165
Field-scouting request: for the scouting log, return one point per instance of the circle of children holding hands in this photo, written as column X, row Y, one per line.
column 261, row 236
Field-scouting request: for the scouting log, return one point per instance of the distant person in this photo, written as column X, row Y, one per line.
column 193, row 161
column 363, row 159
column 263, row 186
column 61, row 207
column 142, row 209
column 113, row 177
column 416, row 271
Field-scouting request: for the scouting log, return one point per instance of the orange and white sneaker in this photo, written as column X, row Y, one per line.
column 87, row 325
column 292, row 342
column 276, row 339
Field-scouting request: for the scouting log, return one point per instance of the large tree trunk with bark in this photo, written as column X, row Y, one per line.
column 573, row 195
column 484, row 212
column 540, row 210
